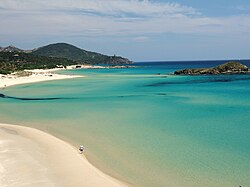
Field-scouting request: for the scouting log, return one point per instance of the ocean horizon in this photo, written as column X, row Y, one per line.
column 145, row 126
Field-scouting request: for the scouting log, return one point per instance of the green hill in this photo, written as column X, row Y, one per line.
column 71, row 52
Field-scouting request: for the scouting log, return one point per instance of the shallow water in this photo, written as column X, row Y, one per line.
column 145, row 128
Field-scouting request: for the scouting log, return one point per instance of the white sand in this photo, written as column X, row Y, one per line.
column 85, row 66
column 37, row 76
column 30, row 157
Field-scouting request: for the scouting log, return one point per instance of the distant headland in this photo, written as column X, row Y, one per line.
column 51, row 56
column 227, row 68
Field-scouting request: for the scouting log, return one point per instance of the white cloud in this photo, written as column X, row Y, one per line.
column 111, row 18
column 103, row 7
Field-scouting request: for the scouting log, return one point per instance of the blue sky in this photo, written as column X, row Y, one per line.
column 142, row 30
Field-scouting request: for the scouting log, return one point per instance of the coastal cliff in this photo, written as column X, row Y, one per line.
column 227, row 68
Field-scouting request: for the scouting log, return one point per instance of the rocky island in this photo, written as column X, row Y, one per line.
column 227, row 68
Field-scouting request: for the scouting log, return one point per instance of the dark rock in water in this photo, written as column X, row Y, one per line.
column 29, row 99
column 227, row 68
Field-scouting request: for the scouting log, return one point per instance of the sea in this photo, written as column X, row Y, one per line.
column 144, row 125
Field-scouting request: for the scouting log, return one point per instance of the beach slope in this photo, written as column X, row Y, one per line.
column 30, row 157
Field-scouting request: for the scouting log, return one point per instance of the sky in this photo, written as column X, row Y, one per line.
column 141, row 30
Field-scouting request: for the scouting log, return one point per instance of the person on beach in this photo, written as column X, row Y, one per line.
column 81, row 149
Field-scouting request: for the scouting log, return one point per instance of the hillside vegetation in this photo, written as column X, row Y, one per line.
column 17, row 61
column 71, row 52
column 50, row 56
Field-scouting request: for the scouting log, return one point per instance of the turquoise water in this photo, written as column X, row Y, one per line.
column 144, row 128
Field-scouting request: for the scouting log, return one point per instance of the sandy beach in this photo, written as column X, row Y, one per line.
column 37, row 75
column 30, row 157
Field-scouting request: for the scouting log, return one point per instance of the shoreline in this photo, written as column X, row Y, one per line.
column 33, row 76
column 40, row 75
column 73, row 170
column 33, row 157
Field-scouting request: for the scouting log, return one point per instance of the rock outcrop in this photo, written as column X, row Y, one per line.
column 227, row 68
column 10, row 48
